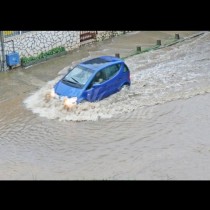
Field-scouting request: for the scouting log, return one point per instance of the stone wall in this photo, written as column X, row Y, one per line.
column 102, row 35
column 34, row 42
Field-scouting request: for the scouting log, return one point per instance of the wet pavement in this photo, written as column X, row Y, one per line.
column 158, row 129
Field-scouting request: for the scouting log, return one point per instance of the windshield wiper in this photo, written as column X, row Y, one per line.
column 72, row 82
column 75, row 80
column 68, row 81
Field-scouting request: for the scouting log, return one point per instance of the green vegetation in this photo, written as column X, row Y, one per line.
column 43, row 55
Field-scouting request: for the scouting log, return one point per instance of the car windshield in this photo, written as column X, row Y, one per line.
column 78, row 76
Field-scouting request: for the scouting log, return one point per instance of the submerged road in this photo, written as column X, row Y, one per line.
column 156, row 130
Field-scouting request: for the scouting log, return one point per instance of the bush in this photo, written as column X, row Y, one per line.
column 42, row 55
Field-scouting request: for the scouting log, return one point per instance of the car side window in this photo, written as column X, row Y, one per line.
column 125, row 68
column 112, row 70
column 99, row 78
column 104, row 75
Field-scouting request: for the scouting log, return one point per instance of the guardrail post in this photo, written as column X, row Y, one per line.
column 117, row 55
column 138, row 48
column 158, row 42
column 177, row 36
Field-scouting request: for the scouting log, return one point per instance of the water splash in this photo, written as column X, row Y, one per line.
column 177, row 72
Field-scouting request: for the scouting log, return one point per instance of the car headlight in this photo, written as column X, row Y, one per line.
column 52, row 93
column 70, row 101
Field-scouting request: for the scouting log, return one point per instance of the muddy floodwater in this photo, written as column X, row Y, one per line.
column 158, row 129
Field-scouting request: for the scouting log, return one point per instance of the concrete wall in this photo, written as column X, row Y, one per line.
column 34, row 42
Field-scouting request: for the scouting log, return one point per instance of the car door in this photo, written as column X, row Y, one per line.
column 113, row 82
column 96, row 90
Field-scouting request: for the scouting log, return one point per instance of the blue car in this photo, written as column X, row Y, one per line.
column 93, row 80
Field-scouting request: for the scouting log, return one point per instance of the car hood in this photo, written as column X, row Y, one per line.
column 65, row 90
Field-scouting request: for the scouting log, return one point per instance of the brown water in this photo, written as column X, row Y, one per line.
column 157, row 129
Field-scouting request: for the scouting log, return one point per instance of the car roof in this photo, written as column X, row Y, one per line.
column 100, row 62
